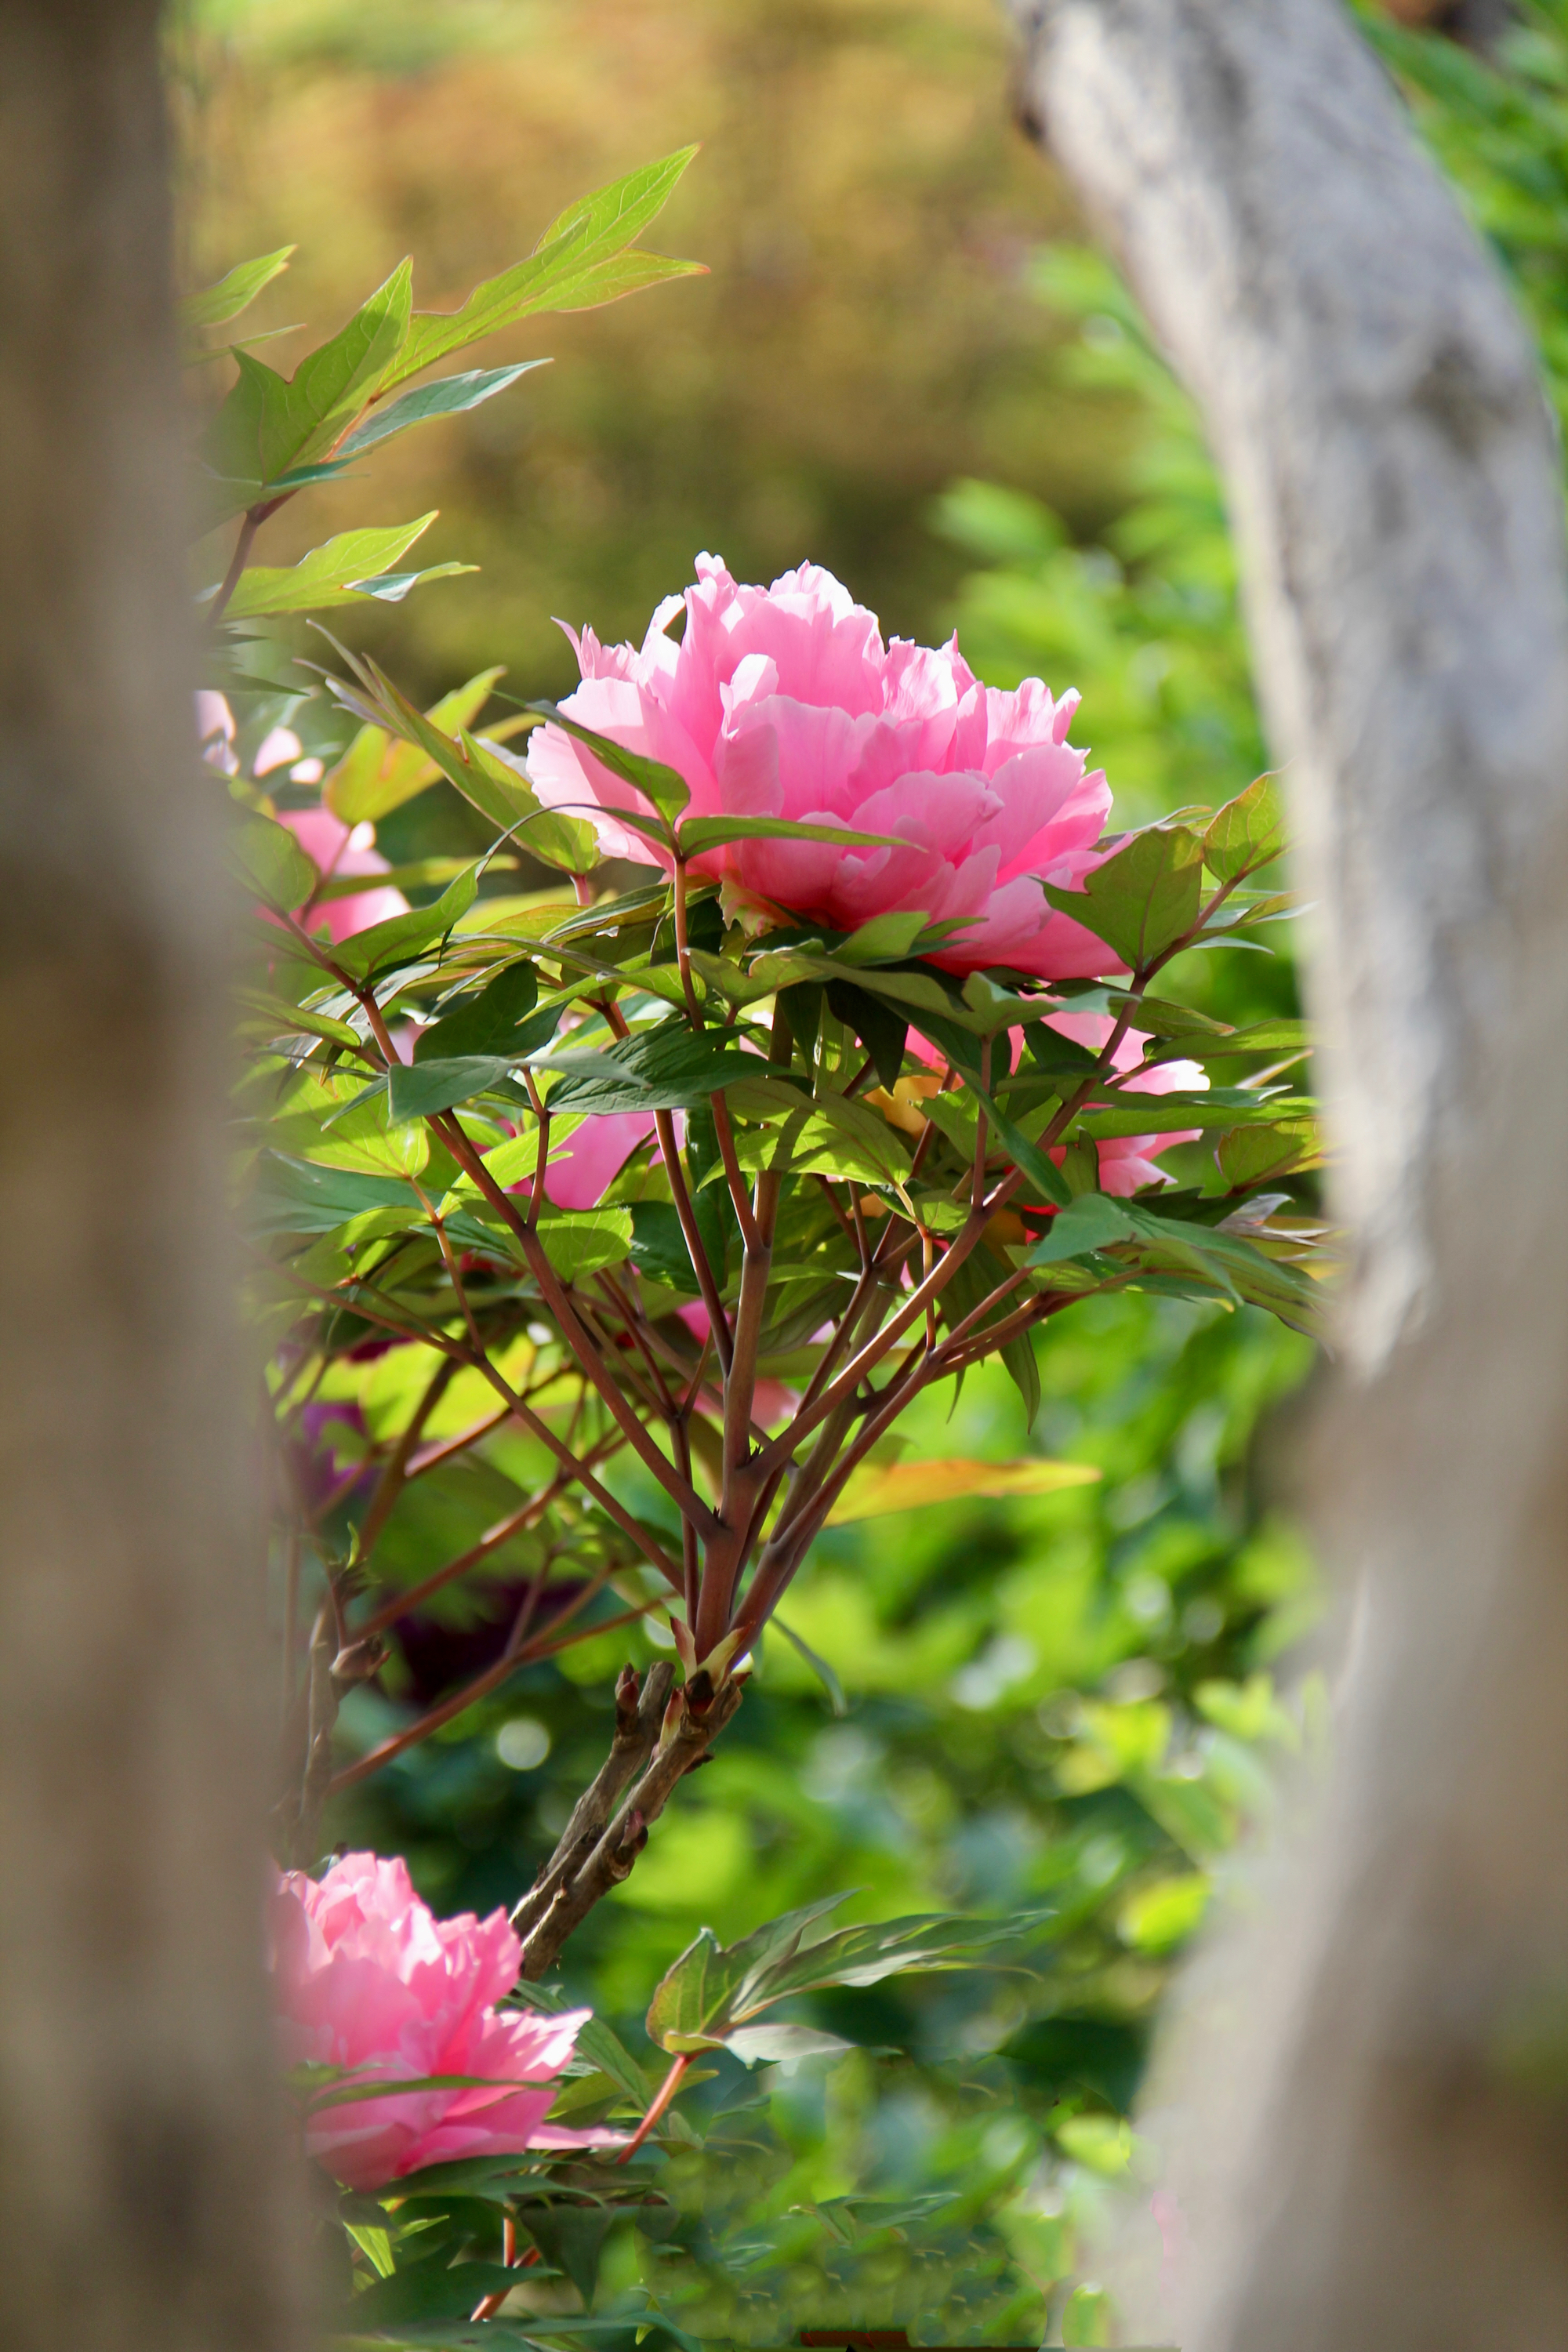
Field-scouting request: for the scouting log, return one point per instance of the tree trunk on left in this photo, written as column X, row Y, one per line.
column 145, row 2206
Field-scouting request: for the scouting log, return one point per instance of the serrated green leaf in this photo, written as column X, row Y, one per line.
column 452, row 395
column 1143, row 898
column 329, row 575
column 215, row 305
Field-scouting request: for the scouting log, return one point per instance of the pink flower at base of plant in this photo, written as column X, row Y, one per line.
column 368, row 1979
column 337, row 850
column 785, row 702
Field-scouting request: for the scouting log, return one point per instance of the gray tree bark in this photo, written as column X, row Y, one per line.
column 144, row 2202
column 1380, row 2146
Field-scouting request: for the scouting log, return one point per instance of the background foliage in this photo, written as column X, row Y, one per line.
column 1062, row 1701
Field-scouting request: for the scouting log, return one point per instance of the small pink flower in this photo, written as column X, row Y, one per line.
column 339, row 850
column 1127, row 1161
column 592, row 1157
column 783, row 701
column 368, row 1979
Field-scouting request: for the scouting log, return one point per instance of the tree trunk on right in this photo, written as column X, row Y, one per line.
column 1379, row 2152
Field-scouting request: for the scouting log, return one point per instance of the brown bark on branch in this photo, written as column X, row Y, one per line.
column 141, row 2139
column 660, row 1738
column 1389, row 2163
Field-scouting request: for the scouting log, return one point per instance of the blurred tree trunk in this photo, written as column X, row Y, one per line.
column 144, row 2203
column 1384, row 2120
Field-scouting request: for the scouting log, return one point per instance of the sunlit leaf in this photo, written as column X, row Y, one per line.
column 915, row 1485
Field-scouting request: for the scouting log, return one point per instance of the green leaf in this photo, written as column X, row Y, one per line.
column 658, row 1246
column 663, row 787
column 337, row 1123
column 403, row 936
column 819, row 1665
column 1249, row 832
column 1092, row 1221
column 392, row 587
column 885, row 938
column 214, row 305
column 435, row 1085
column 704, row 832
column 571, row 2237
column 269, row 424
column 272, row 862
column 584, row 1241
column 671, row 1068
column 488, row 1023
column 293, row 1196
column 374, row 2243
column 765, row 2045
column 1143, row 897
column 1251, row 1155
column 711, row 1990
column 381, row 770
column 882, row 1032
column 453, row 395
column 332, row 574
column 602, row 2048
column 477, row 767
column 578, row 262
column 426, row 2290
column 917, row 1485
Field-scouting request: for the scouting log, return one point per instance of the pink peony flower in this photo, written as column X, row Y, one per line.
column 337, row 851
column 1127, row 1161
column 368, row 1979
column 594, row 1156
column 783, row 701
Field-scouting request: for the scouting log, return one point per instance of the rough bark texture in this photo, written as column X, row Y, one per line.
column 142, row 2205
column 1384, row 2122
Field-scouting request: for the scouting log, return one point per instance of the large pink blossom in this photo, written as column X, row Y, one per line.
column 368, row 1979
column 785, row 701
